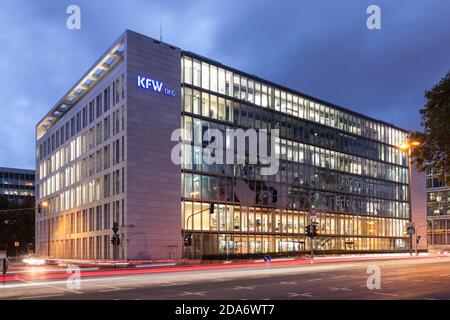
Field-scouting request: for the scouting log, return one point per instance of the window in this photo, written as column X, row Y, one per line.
column 222, row 86
column 197, row 74
column 187, row 70
column 205, row 76
column 213, row 80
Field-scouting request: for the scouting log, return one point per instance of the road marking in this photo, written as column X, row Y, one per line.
column 338, row 277
column 116, row 289
column 307, row 294
column 430, row 299
column 339, row 289
column 220, row 280
column 188, row 293
column 386, row 294
column 40, row 297
column 174, row 284
column 61, row 282
column 387, row 282
column 260, row 277
column 51, row 286
column 244, row 288
column 358, row 277
column 288, row 282
column 318, row 279
column 108, row 287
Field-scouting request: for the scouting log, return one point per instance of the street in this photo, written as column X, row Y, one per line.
column 426, row 278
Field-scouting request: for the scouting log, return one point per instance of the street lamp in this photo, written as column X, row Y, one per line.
column 407, row 146
column 211, row 211
column 418, row 239
column 46, row 204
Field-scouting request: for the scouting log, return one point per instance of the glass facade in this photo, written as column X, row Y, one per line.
column 341, row 163
column 438, row 209
column 16, row 184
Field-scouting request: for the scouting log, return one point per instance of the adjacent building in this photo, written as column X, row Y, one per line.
column 105, row 155
column 17, row 211
column 16, row 185
column 438, row 199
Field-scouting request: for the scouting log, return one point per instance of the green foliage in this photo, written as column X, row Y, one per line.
column 435, row 139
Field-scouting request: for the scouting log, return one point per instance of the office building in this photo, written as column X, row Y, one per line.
column 104, row 155
column 438, row 211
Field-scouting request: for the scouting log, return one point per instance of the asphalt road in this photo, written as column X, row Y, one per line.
column 400, row 279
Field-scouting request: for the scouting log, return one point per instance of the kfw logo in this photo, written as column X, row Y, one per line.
column 154, row 85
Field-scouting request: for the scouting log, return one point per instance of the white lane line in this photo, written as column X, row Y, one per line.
column 41, row 297
column 107, row 287
column 188, row 293
column 288, row 282
column 55, row 287
column 220, row 280
column 339, row 289
column 117, row 289
column 386, row 294
column 307, row 294
column 174, row 284
column 63, row 282
column 312, row 280
column 244, row 288
column 260, row 277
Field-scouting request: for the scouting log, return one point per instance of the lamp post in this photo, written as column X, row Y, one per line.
column 407, row 146
column 418, row 239
column 46, row 204
column 211, row 211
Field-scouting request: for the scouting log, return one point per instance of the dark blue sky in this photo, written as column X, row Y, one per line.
column 319, row 47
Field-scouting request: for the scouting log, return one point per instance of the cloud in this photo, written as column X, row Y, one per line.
column 318, row 47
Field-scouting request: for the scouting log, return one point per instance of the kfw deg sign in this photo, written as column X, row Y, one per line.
column 154, row 85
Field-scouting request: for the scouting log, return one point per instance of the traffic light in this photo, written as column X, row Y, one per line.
column 314, row 231
column 115, row 227
column 188, row 240
column 308, row 230
column 115, row 240
column 211, row 208
column 39, row 208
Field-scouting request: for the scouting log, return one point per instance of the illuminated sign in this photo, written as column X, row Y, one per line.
column 154, row 85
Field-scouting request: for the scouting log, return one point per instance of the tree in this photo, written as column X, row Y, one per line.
column 434, row 141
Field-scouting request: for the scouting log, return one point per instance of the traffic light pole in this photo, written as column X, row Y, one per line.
column 409, row 199
column 187, row 224
column 312, row 250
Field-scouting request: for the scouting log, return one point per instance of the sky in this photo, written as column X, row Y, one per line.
column 319, row 47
